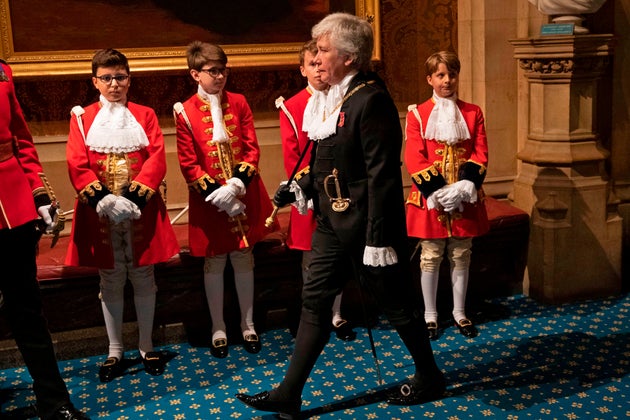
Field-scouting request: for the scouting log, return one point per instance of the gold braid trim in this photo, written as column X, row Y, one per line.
column 39, row 191
column 201, row 183
column 248, row 168
column 482, row 167
column 90, row 191
column 302, row 173
column 143, row 190
column 425, row 174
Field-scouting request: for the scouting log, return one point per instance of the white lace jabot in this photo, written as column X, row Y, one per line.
column 219, row 133
column 322, row 110
column 446, row 122
column 115, row 130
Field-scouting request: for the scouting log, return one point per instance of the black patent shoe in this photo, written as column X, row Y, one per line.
column 153, row 363
column 414, row 393
column 251, row 343
column 285, row 409
column 111, row 369
column 466, row 327
column 433, row 331
column 219, row 348
column 344, row 331
column 68, row 412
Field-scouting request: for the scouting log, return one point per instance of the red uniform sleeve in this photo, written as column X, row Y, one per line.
column 18, row 130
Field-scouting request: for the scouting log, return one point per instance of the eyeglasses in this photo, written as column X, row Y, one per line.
column 216, row 71
column 121, row 79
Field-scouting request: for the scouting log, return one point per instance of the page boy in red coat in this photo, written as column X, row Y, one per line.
column 446, row 153
column 218, row 156
column 116, row 161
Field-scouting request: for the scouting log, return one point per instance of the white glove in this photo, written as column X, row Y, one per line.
column 379, row 256
column 105, row 204
column 222, row 197
column 128, row 207
column 452, row 196
column 449, row 198
column 51, row 221
column 233, row 207
column 117, row 209
column 467, row 189
column 300, row 203
column 432, row 201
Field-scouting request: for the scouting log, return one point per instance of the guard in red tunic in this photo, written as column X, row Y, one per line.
column 294, row 143
column 228, row 203
column 446, row 153
column 117, row 162
column 24, row 198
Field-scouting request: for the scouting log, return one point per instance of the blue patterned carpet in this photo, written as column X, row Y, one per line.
column 537, row 362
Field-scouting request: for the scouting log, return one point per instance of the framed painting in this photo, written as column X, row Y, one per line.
column 44, row 39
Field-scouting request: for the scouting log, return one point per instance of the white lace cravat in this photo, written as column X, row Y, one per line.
column 446, row 122
column 322, row 110
column 115, row 130
column 219, row 133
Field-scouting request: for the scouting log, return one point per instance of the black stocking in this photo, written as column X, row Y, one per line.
column 310, row 341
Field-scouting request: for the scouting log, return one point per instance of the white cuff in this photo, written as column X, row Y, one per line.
column 379, row 256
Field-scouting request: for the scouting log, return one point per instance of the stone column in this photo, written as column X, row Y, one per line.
column 575, row 237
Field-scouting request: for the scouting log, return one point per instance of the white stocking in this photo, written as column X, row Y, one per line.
column 145, row 310
column 429, row 283
column 459, row 281
column 244, row 283
column 213, row 284
column 337, row 310
column 113, row 315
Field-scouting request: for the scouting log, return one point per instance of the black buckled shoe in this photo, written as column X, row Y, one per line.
column 68, row 412
column 466, row 327
column 344, row 331
column 219, row 348
column 251, row 343
column 413, row 393
column 111, row 369
column 433, row 330
column 153, row 363
column 285, row 409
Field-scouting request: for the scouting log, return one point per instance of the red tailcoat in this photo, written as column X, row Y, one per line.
column 19, row 163
column 153, row 237
column 427, row 158
column 212, row 232
column 301, row 227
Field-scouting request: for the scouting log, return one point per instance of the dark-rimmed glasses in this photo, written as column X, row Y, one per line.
column 121, row 79
column 216, row 71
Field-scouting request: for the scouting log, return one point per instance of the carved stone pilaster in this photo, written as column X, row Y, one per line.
column 575, row 240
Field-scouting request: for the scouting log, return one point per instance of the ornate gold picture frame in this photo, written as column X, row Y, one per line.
column 62, row 37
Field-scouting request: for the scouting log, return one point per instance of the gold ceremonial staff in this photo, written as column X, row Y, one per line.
column 226, row 160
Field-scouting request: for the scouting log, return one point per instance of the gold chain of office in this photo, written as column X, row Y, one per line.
column 345, row 98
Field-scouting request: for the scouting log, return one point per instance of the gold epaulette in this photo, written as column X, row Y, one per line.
column 90, row 191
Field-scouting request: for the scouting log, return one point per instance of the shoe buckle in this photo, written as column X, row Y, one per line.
column 405, row 390
column 220, row 342
column 464, row 322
